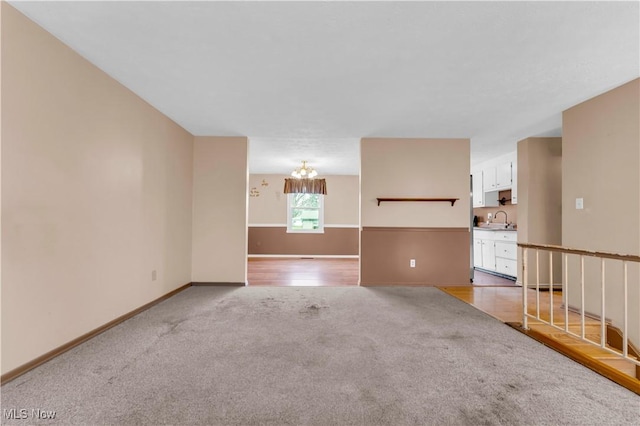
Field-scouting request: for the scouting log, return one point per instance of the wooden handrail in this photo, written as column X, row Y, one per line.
column 449, row 200
column 560, row 249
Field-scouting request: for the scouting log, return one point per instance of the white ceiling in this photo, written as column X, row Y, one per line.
column 331, row 156
column 306, row 80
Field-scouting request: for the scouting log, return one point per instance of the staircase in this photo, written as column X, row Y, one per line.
column 505, row 304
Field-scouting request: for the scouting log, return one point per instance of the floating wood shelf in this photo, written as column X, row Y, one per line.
column 449, row 200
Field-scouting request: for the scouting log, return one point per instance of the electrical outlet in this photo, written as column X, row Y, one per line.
column 412, row 263
column 154, row 275
column 579, row 203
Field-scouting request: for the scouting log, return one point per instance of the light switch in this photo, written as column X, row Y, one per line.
column 579, row 203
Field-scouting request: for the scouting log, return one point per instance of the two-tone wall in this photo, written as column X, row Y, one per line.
column 96, row 196
column 268, row 219
column 435, row 234
column 107, row 204
column 601, row 165
column 540, row 204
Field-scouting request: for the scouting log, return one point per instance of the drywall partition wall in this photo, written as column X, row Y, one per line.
column 415, row 168
column 96, row 195
column 540, row 204
column 435, row 234
column 268, row 219
column 220, row 194
column 601, row 165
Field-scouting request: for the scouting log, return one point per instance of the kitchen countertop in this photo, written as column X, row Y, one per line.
column 493, row 228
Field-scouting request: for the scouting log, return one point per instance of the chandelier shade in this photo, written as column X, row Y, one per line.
column 304, row 172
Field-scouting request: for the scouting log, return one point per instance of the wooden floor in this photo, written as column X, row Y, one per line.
column 505, row 304
column 319, row 272
column 323, row 272
column 484, row 279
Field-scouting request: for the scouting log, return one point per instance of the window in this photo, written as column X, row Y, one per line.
column 305, row 213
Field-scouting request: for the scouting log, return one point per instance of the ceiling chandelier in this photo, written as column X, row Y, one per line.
column 304, row 172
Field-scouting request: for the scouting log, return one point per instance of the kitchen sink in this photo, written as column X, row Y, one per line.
column 498, row 226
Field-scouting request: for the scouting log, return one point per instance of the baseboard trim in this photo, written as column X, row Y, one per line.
column 409, row 284
column 284, row 225
column 217, row 284
column 16, row 372
column 497, row 274
column 299, row 256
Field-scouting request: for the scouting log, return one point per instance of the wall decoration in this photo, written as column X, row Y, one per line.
column 254, row 192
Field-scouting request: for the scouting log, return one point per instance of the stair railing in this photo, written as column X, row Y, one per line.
column 565, row 252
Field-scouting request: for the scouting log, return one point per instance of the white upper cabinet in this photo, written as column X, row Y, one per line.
column 514, row 181
column 497, row 178
column 503, row 175
column 489, row 181
column 480, row 197
column 478, row 193
column 493, row 176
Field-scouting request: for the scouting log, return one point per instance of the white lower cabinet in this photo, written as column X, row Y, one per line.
column 506, row 250
column 507, row 253
column 496, row 251
column 477, row 253
column 507, row 266
column 484, row 250
column 488, row 255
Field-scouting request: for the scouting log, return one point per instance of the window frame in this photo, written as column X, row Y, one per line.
column 320, row 209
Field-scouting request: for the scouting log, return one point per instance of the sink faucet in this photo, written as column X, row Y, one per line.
column 505, row 216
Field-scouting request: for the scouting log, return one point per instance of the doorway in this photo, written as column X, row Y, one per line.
column 281, row 251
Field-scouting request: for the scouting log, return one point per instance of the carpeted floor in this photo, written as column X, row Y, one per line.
column 322, row 356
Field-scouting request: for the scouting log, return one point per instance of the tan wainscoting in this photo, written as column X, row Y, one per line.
column 442, row 256
column 275, row 240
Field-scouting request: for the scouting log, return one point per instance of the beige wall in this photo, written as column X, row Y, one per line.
column 429, row 232
column 220, row 195
column 415, row 168
column 540, row 202
column 96, row 194
column 341, row 204
column 601, row 163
